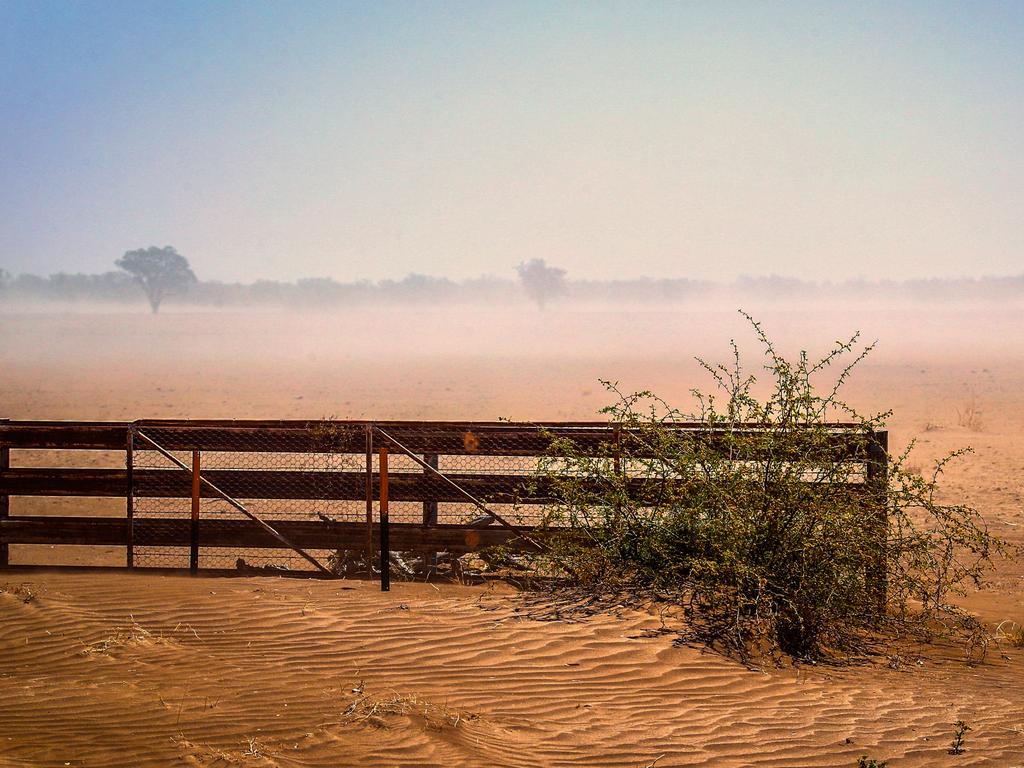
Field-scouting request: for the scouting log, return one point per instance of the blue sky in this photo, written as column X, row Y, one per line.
column 369, row 140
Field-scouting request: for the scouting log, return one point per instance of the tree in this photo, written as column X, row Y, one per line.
column 160, row 271
column 540, row 281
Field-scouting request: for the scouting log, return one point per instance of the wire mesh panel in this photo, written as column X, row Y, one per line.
column 449, row 474
column 161, row 508
column 479, row 473
column 472, row 476
column 485, row 480
column 308, row 473
column 512, row 498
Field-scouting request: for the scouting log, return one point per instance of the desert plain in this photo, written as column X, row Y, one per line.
column 105, row 667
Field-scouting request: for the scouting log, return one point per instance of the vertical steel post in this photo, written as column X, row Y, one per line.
column 129, row 463
column 617, row 442
column 429, row 518
column 5, row 500
column 369, row 500
column 878, row 492
column 385, row 553
column 617, row 465
column 193, row 555
column 430, row 506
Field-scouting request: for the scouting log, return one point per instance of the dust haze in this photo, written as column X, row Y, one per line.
column 458, row 361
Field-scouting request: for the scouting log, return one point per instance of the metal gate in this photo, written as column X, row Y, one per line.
column 206, row 488
column 224, row 480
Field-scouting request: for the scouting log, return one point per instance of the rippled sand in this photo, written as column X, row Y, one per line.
column 107, row 668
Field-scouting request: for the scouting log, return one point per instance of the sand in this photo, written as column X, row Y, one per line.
column 109, row 668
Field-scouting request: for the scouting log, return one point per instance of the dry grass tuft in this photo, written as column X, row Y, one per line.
column 970, row 416
column 130, row 635
column 204, row 754
column 374, row 711
column 1010, row 632
column 255, row 748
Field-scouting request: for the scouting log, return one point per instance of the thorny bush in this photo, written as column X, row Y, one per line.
column 761, row 516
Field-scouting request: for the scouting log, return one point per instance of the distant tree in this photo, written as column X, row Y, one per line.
column 540, row 281
column 160, row 271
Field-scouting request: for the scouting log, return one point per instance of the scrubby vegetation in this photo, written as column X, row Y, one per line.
column 756, row 517
column 960, row 729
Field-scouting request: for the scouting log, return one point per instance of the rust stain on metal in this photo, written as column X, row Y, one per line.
column 385, row 546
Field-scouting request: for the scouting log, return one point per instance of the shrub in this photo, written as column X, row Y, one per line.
column 747, row 517
column 960, row 729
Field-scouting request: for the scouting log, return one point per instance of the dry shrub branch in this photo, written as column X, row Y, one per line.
column 756, row 517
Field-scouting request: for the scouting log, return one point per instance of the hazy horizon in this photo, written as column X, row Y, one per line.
column 509, row 277
column 352, row 141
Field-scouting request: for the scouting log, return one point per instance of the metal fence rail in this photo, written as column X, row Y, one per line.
column 321, row 496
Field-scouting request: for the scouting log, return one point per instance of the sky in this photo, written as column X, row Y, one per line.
column 614, row 139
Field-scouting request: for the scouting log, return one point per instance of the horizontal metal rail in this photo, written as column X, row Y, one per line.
column 237, row 533
column 444, row 438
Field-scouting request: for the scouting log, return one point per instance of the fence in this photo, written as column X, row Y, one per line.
column 335, row 497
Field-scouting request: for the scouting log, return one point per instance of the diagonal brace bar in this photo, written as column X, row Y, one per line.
column 469, row 497
column 236, row 504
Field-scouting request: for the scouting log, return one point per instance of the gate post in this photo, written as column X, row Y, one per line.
column 369, row 500
column 617, row 448
column 429, row 519
column 878, row 490
column 193, row 555
column 385, row 553
column 129, row 463
column 617, row 465
column 5, row 500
